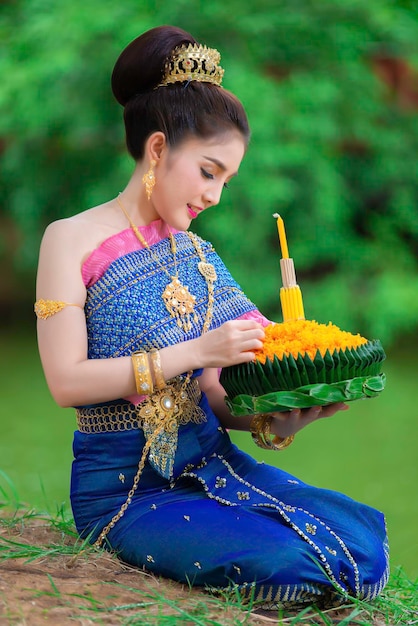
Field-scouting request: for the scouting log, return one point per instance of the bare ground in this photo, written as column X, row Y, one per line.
column 96, row 588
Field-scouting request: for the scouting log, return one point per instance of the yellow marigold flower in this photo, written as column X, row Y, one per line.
column 305, row 337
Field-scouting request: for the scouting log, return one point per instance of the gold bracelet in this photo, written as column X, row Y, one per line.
column 159, row 379
column 260, row 427
column 143, row 378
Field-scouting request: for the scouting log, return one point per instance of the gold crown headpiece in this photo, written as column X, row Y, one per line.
column 193, row 62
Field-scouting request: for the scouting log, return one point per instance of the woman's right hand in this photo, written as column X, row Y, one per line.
column 232, row 343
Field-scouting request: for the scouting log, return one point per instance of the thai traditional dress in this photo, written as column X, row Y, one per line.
column 216, row 518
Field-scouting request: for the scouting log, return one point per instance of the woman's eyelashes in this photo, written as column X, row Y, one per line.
column 207, row 174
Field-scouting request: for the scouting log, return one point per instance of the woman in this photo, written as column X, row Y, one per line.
column 136, row 317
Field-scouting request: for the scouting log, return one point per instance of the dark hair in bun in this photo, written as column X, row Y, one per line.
column 178, row 110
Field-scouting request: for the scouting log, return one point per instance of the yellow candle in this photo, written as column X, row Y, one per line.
column 282, row 236
column 292, row 303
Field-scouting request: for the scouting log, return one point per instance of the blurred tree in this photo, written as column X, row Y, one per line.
column 331, row 93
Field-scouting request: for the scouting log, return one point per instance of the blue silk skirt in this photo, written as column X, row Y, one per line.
column 225, row 521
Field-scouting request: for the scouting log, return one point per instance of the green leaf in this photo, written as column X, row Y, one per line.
column 293, row 372
column 311, row 371
column 320, row 394
column 344, row 365
column 329, row 367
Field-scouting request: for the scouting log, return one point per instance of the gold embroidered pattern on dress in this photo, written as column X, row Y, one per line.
column 278, row 505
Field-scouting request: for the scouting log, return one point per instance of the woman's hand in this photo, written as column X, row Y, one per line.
column 232, row 343
column 288, row 423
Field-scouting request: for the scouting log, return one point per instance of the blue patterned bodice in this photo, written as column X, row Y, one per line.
column 125, row 311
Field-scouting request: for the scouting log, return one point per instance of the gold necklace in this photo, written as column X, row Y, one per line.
column 177, row 298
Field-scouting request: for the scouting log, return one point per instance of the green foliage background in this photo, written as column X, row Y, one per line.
column 333, row 148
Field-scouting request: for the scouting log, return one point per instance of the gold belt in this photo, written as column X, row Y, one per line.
column 124, row 415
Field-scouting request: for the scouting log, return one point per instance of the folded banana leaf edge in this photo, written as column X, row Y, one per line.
column 319, row 394
column 256, row 378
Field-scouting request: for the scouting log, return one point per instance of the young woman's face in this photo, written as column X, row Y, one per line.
column 191, row 178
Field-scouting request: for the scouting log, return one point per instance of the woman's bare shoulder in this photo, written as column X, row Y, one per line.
column 84, row 230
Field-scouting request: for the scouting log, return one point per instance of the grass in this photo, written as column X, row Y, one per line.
column 63, row 580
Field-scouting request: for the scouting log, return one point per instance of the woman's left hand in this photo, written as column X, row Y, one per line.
column 290, row 422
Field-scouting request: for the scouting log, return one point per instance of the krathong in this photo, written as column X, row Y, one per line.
column 303, row 363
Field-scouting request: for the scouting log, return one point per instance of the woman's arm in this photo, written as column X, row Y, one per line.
column 62, row 338
column 74, row 379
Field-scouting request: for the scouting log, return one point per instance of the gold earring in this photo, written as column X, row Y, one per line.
column 149, row 179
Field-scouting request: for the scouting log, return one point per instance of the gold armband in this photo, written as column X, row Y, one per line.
column 143, row 378
column 46, row 308
column 260, row 427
